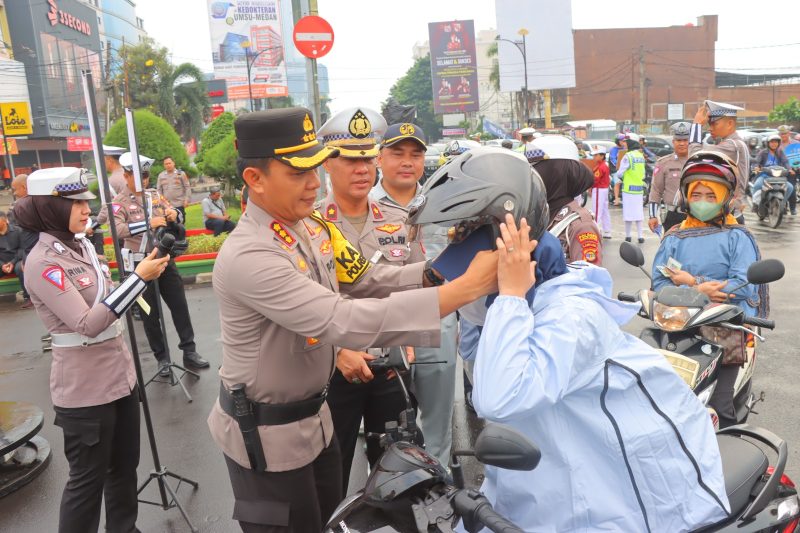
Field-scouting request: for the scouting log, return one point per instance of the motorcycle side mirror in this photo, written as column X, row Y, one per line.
column 631, row 254
column 765, row 271
column 503, row 447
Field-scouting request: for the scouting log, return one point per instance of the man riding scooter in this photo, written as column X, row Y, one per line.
column 773, row 156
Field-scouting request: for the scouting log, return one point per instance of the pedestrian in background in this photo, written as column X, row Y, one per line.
column 215, row 215
column 173, row 184
column 602, row 180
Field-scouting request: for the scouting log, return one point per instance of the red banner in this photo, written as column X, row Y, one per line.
column 79, row 144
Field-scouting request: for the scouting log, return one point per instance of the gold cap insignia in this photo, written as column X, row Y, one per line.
column 407, row 129
column 359, row 125
column 307, row 124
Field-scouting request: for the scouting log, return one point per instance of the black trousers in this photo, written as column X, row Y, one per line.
column 170, row 286
column 182, row 210
column 220, row 226
column 673, row 218
column 19, row 271
column 101, row 444
column 295, row 501
column 793, row 198
column 378, row 402
column 722, row 398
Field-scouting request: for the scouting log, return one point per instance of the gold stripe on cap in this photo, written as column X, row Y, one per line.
column 290, row 149
column 358, row 153
column 387, row 141
column 312, row 161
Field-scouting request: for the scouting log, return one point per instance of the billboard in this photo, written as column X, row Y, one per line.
column 549, row 48
column 248, row 32
column 454, row 69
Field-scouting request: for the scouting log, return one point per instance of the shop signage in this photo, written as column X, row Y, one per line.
column 59, row 16
column 16, row 118
column 79, row 144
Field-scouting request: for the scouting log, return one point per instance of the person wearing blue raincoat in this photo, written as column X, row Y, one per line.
column 626, row 445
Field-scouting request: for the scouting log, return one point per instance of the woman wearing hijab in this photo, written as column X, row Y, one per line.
column 714, row 252
column 566, row 179
column 92, row 379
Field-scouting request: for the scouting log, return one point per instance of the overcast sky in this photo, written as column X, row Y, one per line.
column 373, row 39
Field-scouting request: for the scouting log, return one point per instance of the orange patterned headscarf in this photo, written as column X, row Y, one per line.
column 720, row 191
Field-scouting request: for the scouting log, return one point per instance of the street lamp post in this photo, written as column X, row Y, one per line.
column 250, row 61
column 523, row 50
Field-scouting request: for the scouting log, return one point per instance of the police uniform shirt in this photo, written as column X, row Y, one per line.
column 581, row 239
column 174, row 186
column 282, row 319
column 65, row 288
column 666, row 180
column 129, row 216
column 385, row 233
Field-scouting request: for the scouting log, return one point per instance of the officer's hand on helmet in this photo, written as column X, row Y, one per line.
column 652, row 223
column 701, row 117
column 150, row 268
column 353, row 365
column 516, row 272
column 157, row 222
column 482, row 273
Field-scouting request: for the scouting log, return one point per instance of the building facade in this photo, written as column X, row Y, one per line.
column 54, row 41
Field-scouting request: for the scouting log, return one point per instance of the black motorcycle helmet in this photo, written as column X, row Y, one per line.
column 478, row 188
column 709, row 165
column 179, row 232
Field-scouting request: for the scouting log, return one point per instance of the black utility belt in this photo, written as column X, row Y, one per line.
column 275, row 414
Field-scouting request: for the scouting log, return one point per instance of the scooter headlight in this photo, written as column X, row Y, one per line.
column 777, row 172
column 672, row 318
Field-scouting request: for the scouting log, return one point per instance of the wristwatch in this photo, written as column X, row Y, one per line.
column 432, row 275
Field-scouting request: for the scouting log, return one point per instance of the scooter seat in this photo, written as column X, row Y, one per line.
column 743, row 464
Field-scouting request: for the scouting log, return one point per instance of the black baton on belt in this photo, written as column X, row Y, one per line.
column 243, row 412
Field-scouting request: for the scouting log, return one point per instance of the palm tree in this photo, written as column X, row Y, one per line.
column 182, row 98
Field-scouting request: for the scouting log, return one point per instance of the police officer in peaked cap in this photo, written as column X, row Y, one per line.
column 278, row 280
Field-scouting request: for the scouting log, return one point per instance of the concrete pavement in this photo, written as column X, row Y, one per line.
column 186, row 447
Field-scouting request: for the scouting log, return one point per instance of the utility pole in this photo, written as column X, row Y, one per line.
column 633, row 84
column 110, row 99
column 548, row 102
column 642, row 88
column 313, row 10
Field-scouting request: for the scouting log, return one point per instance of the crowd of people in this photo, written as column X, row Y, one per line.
column 311, row 293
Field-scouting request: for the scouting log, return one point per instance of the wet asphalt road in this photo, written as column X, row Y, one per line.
column 186, row 448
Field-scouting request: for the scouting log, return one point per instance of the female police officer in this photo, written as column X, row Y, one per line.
column 92, row 378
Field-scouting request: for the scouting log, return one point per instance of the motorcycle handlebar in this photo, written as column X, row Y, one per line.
column 476, row 510
column 625, row 297
column 760, row 322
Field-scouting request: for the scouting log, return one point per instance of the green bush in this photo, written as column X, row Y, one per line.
column 156, row 139
column 220, row 161
column 198, row 244
column 219, row 128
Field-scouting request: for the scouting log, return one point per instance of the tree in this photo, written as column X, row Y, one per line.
column 416, row 88
column 155, row 138
column 154, row 83
column 220, row 162
column 788, row 112
column 219, row 128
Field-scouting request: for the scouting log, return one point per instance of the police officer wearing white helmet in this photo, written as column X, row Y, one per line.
column 129, row 217
column 92, row 378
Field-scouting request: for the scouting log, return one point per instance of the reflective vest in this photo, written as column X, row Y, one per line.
column 633, row 179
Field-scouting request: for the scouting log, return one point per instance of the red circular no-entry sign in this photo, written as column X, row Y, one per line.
column 313, row 36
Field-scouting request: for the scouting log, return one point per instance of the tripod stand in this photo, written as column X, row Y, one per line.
column 160, row 474
column 174, row 368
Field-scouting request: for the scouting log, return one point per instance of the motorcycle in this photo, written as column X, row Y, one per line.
column 410, row 491
column 678, row 313
column 772, row 200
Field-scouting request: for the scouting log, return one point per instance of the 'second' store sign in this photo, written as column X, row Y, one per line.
column 59, row 16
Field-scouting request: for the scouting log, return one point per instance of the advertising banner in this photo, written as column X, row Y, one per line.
column 454, row 69
column 248, row 32
column 79, row 144
column 16, row 118
column 493, row 129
